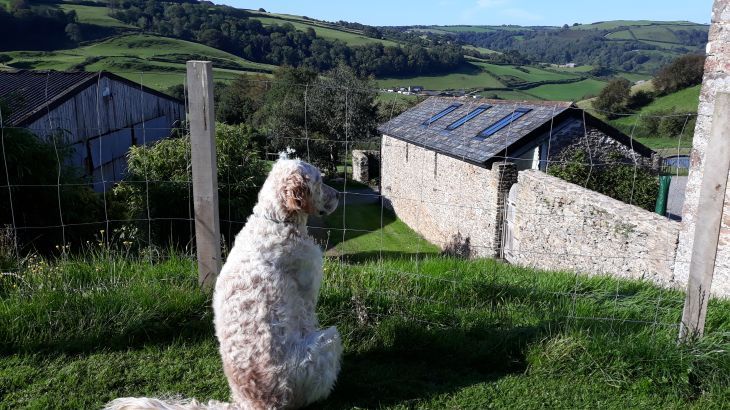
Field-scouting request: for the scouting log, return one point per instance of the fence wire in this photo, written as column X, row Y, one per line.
column 387, row 267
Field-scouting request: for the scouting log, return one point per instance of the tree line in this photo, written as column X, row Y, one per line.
column 234, row 30
column 589, row 47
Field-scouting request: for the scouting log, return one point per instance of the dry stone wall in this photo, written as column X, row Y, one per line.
column 557, row 225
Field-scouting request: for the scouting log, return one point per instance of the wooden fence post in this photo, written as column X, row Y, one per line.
column 709, row 217
column 205, row 171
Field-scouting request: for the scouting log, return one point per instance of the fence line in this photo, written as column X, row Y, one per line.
column 665, row 304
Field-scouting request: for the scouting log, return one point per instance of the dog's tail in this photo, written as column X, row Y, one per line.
column 144, row 403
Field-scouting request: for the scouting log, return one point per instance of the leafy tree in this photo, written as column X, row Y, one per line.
column 241, row 99
column 613, row 97
column 317, row 115
column 639, row 99
column 683, row 72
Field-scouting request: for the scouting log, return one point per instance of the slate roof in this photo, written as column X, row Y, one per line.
column 29, row 94
column 461, row 142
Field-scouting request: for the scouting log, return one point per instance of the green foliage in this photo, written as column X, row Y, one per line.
column 629, row 183
column 46, row 196
column 683, row 72
column 667, row 123
column 158, row 184
column 241, row 99
column 340, row 107
column 613, row 98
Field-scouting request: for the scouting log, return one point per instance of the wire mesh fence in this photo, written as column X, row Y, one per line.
column 394, row 248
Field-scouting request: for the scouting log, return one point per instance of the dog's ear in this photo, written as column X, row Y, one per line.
column 297, row 195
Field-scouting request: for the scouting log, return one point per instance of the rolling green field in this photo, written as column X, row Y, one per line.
column 159, row 62
column 471, row 75
column 349, row 37
column 615, row 24
column 481, row 49
column 98, row 15
column 567, row 92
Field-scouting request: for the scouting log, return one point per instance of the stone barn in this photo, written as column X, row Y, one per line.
column 99, row 115
column 448, row 163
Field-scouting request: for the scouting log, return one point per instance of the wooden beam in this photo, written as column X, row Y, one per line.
column 709, row 218
column 205, row 172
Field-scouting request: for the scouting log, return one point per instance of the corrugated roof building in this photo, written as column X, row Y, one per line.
column 98, row 114
column 448, row 163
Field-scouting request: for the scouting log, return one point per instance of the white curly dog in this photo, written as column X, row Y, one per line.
column 273, row 352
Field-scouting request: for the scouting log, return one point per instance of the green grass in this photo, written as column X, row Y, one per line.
column 481, row 49
column 470, row 75
column 567, row 92
column 614, row 24
column 97, row 15
column 158, row 61
column 419, row 332
column 684, row 100
column 370, row 233
column 349, row 37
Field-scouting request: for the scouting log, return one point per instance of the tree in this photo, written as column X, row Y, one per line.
column 73, row 31
column 613, row 97
column 683, row 72
column 241, row 99
column 316, row 115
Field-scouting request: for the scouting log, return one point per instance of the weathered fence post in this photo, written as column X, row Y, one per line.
column 205, row 172
column 709, row 218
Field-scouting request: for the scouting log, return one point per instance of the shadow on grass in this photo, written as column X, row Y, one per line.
column 420, row 363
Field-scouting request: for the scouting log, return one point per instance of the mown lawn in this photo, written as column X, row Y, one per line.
column 420, row 331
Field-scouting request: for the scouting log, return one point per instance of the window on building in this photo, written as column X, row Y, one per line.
column 507, row 120
column 461, row 121
column 441, row 114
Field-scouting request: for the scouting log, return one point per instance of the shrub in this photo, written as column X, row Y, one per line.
column 626, row 182
column 49, row 203
column 668, row 123
column 613, row 97
column 159, row 183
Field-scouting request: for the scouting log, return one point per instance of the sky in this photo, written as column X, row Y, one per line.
column 485, row 12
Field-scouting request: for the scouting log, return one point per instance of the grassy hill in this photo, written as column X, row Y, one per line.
column 324, row 30
column 157, row 61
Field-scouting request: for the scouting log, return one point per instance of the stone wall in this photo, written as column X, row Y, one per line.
column 557, row 225
column 716, row 79
column 444, row 199
column 572, row 135
column 365, row 165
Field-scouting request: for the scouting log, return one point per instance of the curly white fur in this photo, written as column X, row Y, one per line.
column 273, row 353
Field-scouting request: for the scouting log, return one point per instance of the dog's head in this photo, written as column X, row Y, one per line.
column 300, row 190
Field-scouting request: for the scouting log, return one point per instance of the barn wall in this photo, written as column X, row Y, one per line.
column 556, row 225
column 444, row 199
column 105, row 127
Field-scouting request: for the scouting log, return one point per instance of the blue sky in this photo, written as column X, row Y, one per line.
column 522, row 12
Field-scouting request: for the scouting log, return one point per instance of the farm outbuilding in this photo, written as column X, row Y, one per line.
column 448, row 163
column 98, row 115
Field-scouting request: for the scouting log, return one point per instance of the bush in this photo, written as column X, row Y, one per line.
column 626, row 182
column 613, row 97
column 159, row 183
column 49, row 203
column 669, row 123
